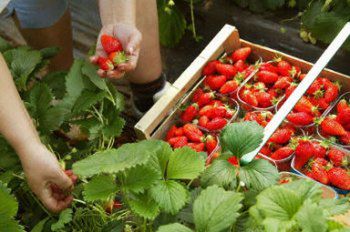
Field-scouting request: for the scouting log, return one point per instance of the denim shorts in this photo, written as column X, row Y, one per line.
column 37, row 13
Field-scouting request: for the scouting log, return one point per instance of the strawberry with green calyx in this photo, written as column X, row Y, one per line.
column 264, row 99
column 282, row 153
column 338, row 157
column 291, row 89
column 229, row 87
column 295, row 71
column 105, row 64
column 339, row 177
column 240, row 66
column 331, row 92
column 283, row 83
column 190, row 113
column 193, row 133
column 259, row 86
column 241, row 54
column 118, row 58
column 214, row 82
column 111, row 44
column 203, row 121
column 216, row 124
column 267, row 77
column 319, row 172
column 320, row 149
column 249, row 97
column 342, row 105
column 331, row 127
column 304, row 105
column 281, row 136
column 205, row 98
column 315, row 88
column 210, row 143
column 301, row 77
column 300, row 118
column 303, row 152
column 284, row 68
column 227, row 70
column 268, row 67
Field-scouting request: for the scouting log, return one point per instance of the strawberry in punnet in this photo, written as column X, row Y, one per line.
column 111, row 44
column 304, row 105
column 302, row 76
column 177, row 142
column 300, row 118
column 249, row 97
column 345, row 139
column 189, row 113
column 117, row 58
column 321, row 103
column 210, row 68
column 265, row 150
column 105, row 64
column 315, row 88
column 219, row 112
column 203, row 121
column 284, row 68
column 331, row 93
column 320, row 149
column 215, row 82
column 211, row 143
column 267, row 77
column 319, row 173
column 216, row 124
column 303, row 152
column 295, row 72
column 198, row 147
column 281, row 136
column 197, row 94
column 207, row 111
column 241, row 54
column 240, row 66
column 268, row 67
column 264, row 99
column 331, row 127
column 227, row 70
column 179, row 131
column 283, row 83
column 291, row 89
column 340, row 178
column 259, row 86
column 343, row 116
column 282, row 153
column 342, row 105
column 205, row 98
column 171, row 132
column 233, row 160
column 338, row 157
column 193, row 133
column 229, row 87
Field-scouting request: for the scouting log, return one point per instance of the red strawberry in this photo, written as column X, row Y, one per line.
column 216, row 124
column 268, row 67
column 178, row 142
column 339, row 178
column 273, row 92
column 282, row 153
column 250, row 116
column 282, row 83
column 319, row 173
column 284, row 68
column 343, row 116
column 300, row 118
column 227, row 70
column 314, row 88
column 249, row 98
column 304, row 105
column 233, row 160
column 264, row 118
column 265, row 150
column 198, row 147
column 215, row 82
column 207, row 111
column 319, row 150
column 303, row 152
column 189, row 113
column 241, row 54
column 342, row 105
column 267, row 77
column 321, row 161
column 203, row 121
column 193, row 133
column 71, row 176
column 240, row 66
column 321, row 103
column 179, row 131
column 291, row 89
column 229, row 87
column 281, row 136
column 338, row 157
column 345, row 139
column 264, row 99
column 210, row 68
column 331, row 127
column 105, row 64
column 302, row 76
column 111, row 44
column 331, row 92
column 219, row 112
column 171, row 133
column 211, row 143
column 205, row 98
column 197, row 94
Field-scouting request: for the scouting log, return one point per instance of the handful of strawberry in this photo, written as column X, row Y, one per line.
column 326, row 164
column 115, row 53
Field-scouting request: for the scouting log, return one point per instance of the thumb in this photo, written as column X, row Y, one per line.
column 63, row 182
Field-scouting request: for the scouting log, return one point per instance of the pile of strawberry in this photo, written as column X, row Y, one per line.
column 191, row 136
column 326, row 164
column 337, row 126
column 210, row 111
column 317, row 99
column 115, row 53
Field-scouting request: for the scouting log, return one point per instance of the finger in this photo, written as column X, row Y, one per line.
column 134, row 43
column 93, row 59
column 50, row 202
column 102, row 73
column 63, row 182
column 115, row 74
column 130, row 65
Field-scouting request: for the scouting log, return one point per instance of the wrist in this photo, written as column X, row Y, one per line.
column 29, row 149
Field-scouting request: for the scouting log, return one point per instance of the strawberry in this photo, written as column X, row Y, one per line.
column 321, row 103
column 291, row 89
column 197, row 94
column 206, row 111
column 268, row 67
column 240, row 66
column 331, row 127
column 203, row 121
column 215, row 82
column 111, row 44
column 267, row 77
column 264, row 99
column 205, row 98
column 248, row 97
column 198, row 147
column 304, row 105
column 343, row 116
column 303, row 152
column 211, row 143
column 216, row 124
column 105, row 64
column 342, row 105
column 282, row 83
column 273, row 92
column 281, row 136
column 171, row 133
column 241, row 54
column 193, row 133
column 227, row 70
column 250, row 116
column 302, row 76
column 219, row 112
column 300, row 118
column 71, row 176
column 314, row 88
column 320, row 150
column 233, row 160
column 282, row 153
column 229, row 113
column 319, row 173
column 339, row 178
column 265, row 150
column 117, row 58
column 229, row 87
column 338, row 157
column 259, row 86
column 284, row 68
column 345, row 139
column 263, row 118
column 179, row 131
column 331, row 93
column 177, row 142
column 210, row 68
column 320, row 161
column 189, row 113
column 295, row 71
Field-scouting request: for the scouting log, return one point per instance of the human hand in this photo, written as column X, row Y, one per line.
column 46, row 178
column 130, row 37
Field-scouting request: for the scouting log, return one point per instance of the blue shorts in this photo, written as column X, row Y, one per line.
column 37, row 13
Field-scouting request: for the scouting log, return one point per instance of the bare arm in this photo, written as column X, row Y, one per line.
column 118, row 11
column 40, row 166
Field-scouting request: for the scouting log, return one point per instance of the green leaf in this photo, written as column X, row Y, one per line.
column 333, row 207
column 259, row 174
column 55, row 81
column 310, row 218
column 185, row 163
column 40, row 226
column 113, row 226
column 273, row 4
column 114, row 128
column 49, row 52
column 116, row 160
column 39, row 99
column 160, row 160
column 241, row 138
column 86, row 100
column 170, row 195
column 8, row 157
column 216, row 209
column 4, row 45
column 90, row 71
column 65, row 218
column 52, row 119
column 306, row 189
column 100, row 188
column 140, row 177
column 220, row 173
column 175, row 227
column 172, row 24
column 10, row 224
column 144, row 206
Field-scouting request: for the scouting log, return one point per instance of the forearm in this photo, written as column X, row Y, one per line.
column 117, row 11
column 15, row 123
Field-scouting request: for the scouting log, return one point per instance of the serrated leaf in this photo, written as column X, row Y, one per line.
column 175, row 227
column 100, row 188
column 8, row 203
column 172, row 24
column 86, row 100
column 216, row 209
column 160, row 160
column 220, row 173
column 140, row 177
column 116, row 160
column 4, row 45
column 64, row 218
column 49, row 52
column 144, row 206
column 40, row 98
column 40, row 226
column 55, row 81
column 10, row 224
column 185, row 163
column 53, row 118
column 306, row 189
column 259, row 174
column 114, row 127
column 311, row 218
column 90, row 71
column 170, row 195
column 241, row 138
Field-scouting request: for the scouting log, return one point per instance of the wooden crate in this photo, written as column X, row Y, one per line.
column 163, row 114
